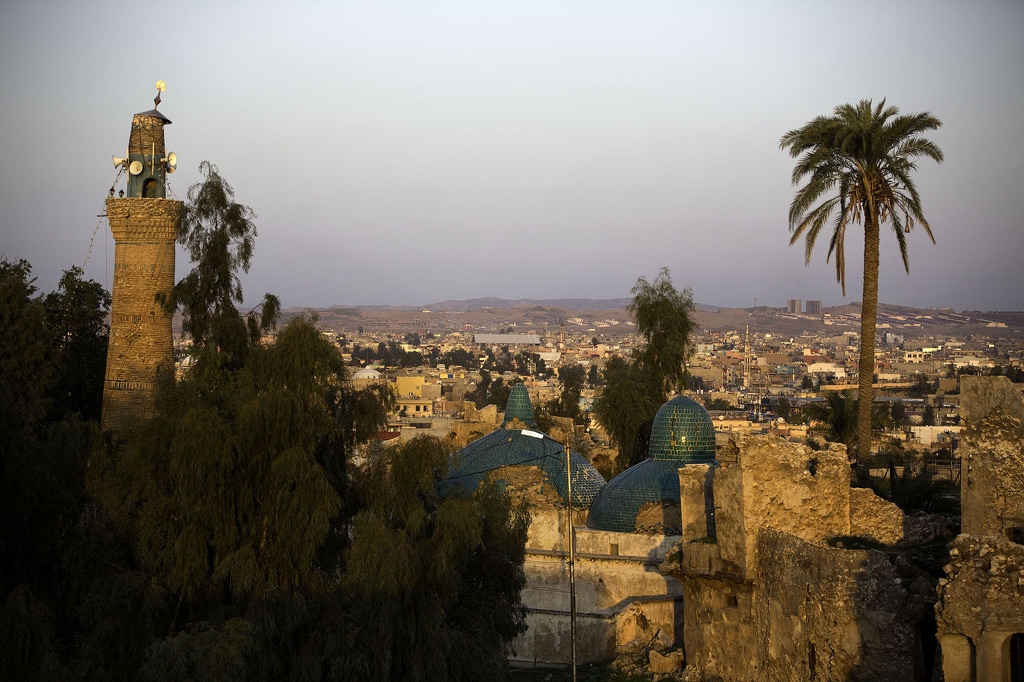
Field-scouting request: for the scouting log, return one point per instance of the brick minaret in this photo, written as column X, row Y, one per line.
column 144, row 224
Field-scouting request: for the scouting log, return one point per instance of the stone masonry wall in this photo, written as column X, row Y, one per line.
column 873, row 517
column 829, row 614
column 784, row 486
column 983, row 588
column 992, row 458
column 144, row 232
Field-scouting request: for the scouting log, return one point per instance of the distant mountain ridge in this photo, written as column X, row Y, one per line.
column 503, row 303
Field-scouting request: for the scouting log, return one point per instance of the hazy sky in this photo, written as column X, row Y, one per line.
column 410, row 152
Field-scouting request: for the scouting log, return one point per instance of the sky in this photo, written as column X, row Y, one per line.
column 408, row 152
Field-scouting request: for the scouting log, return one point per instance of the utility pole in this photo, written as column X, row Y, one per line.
column 572, row 562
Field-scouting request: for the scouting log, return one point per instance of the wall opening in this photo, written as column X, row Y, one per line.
column 149, row 189
column 1016, row 657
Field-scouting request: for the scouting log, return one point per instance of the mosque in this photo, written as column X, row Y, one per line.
column 721, row 557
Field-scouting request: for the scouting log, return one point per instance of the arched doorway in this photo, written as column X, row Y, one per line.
column 1015, row 656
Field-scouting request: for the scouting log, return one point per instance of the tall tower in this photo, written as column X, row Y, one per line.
column 144, row 225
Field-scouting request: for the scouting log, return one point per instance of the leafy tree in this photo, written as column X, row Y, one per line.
column 413, row 338
column 43, row 453
column 434, row 580
column 858, row 163
column 928, row 419
column 219, row 234
column 635, row 389
column 836, row 416
column 626, row 408
column 718, row 404
column 782, row 408
column 76, row 316
column 665, row 320
column 594, row 377
column 899, row 414
column 568, row 403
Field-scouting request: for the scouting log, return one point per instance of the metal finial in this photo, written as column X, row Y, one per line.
column 160, row 87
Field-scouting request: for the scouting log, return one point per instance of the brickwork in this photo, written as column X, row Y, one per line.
column 147, row 136
column 144, row 232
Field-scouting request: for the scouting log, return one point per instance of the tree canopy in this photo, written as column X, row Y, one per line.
column 636, row 388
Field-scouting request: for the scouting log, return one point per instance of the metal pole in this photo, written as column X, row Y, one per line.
column 572, row 562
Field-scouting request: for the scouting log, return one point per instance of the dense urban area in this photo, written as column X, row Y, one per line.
column 755, row 369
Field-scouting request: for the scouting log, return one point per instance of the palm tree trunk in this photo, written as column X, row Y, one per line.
column 869, row 309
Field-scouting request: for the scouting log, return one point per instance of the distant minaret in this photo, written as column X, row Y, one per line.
column 144, row 225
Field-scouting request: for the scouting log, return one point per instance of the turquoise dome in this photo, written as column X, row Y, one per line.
column 617, row 504
column 519, row 406
column 509, row 446
column 682, row 432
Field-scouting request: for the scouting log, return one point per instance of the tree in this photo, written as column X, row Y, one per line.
column 626, row 408
column 928, row 418
column 665, row 320
column 44, row 446
column 636, row 388
column 219, row 234
column 568, row 402
column 76, row 316
column 857, row 163
column 433, row 580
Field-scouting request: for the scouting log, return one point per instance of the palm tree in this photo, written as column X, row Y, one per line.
column 857, row 165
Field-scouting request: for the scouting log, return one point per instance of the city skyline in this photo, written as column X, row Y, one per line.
column 409, row 154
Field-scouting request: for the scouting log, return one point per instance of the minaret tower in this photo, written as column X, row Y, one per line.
column 144, row 224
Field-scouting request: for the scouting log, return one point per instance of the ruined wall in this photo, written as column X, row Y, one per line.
column 981, row 604
column 718, row 628
column 784, row 486
column 992, row 457
column 829, row 614
column 621, row 595
column 983, row 588
column 873, row 517
column 144, row 232
column 981, row 600
column 696, row 501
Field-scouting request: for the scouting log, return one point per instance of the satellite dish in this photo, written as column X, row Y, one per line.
column 135, row 167
column 118, row 162
column 172, row 162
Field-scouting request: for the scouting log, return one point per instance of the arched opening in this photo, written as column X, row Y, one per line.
column 1015, row 657
column 149, row 189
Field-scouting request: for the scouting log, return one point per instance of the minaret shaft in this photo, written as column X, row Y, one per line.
column 144, row 227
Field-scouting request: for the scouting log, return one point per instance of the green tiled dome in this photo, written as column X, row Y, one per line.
column 682, row 432
column 524, row 447
column 616, row 507
column 519, row 406
column 514, row 447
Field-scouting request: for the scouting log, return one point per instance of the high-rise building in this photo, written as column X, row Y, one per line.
column 813, row 307
column 793, row 306
column 144, row 225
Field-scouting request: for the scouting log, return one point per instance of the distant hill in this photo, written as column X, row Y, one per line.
column 535, row 315
column 506, row 303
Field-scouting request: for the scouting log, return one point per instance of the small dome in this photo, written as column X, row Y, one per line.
column 617, row 505
column 682, row 432
column 515, row 446
column 519, row 407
